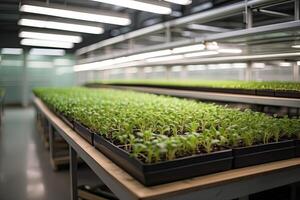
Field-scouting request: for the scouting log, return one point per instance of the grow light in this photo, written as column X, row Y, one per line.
column 77, row 13
column 61, row 26
column 165, row 58
column 285, row 64
column 40, row 65
column 212, row 46
column 12, row 51
column 259, row 65
column 203, row 53
column 197, row 47
column 181, row 2
column 296, row 46
column 153, row 7
column 50, row 36
column 235, row 51
column 46, row 43
column 47, row 52
column 151, row 54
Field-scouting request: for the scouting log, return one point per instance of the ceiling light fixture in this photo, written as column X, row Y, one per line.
column 47, row 52
column 197, row 47
column 148, row 6
column 296, row 46
column 198, row 54
column 61, row 26
column 150, row 54
column 235, row 51
column 181, row 2
column 165, row 58
column 77, row 13
column 285, row 64
column 50, row 36
column 46, row 43
column 12, row 51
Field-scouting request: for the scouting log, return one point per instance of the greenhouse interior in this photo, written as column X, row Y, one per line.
column 150, row 100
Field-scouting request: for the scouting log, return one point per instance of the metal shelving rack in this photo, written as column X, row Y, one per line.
column 238, row 183
column 223, row 97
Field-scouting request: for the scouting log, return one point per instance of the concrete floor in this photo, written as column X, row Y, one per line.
column 25, row 170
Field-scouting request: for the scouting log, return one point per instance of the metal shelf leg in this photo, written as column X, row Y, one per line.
column 73, row 173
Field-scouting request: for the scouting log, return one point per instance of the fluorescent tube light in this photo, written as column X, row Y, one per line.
column 12, row 51
column 46, row 43
column 152, row 54
column 77, row 13
column 285, row 64
column 181, row 2
column 235, row 51
column 197, row 47
column 195, row 67
column 212, row 46
column 296, row 46
column 153, row 7
column 40, row 64
column 165, row 58
column 61, row 26
column 259, row 65
column 50, row 36
column 47, row 52
column 202, row 53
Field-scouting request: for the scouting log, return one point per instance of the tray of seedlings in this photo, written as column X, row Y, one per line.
column 263, row 88
column 161, row 139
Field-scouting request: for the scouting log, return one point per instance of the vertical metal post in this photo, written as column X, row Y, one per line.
column 73, row 173
column 168, row 35
column 168, row 72
column 297, row 10
column 248, row 72
column 294, row 191
column 141, row 73
column 51, row 140
column 25, row 89
column 248, row 15
column 296, row 72
column 183, row 74
column 130, row 45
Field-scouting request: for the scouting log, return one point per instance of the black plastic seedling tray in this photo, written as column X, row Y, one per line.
column 194, row 88
column 263, row 153
column 297, row 149
column 287, row 93
column 266, row 92
column 167, row 171
column 84, row 132
column 65, row 119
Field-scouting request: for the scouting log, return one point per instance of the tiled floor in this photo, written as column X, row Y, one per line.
column 25, row 170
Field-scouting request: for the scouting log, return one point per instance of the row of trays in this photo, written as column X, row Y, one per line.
column 188, row 167
column 258, row 92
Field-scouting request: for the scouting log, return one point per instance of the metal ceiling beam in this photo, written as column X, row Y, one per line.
column 255, row 31
column 272, row 13
column 215, row 37
column 201, row 17
column 211, row 60
column 201, row 27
